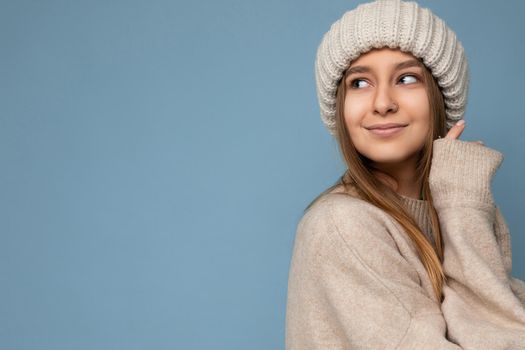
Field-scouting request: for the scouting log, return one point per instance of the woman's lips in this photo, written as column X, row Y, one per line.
column 386, row 132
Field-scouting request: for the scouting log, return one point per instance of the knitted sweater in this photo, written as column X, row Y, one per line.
column 356, row 282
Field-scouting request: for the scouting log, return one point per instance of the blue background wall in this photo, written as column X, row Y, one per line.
column 156, row 157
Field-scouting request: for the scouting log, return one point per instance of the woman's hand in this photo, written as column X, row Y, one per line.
column 456, row 131
column 462, row 171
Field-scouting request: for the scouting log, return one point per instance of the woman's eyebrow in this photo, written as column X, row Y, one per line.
column 366, row 69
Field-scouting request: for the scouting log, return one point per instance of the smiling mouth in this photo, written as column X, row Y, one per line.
column 387, row 132
column 385, row 125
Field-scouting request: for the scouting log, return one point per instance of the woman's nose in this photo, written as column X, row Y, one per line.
column 384, row 101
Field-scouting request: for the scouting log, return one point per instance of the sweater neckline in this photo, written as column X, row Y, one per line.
column 412, row 200
column 419, row 210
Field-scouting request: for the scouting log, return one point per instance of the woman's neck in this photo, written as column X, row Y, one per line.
column 401, row 177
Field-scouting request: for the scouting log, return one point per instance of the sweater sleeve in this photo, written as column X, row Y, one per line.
column 504, row 242
column 480, row 307
column 350, row 288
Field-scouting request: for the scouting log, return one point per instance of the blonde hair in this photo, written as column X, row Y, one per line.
column 358, row 180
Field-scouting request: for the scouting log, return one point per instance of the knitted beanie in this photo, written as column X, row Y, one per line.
column 394, row 24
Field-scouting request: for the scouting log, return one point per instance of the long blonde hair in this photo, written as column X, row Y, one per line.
column 358, row 180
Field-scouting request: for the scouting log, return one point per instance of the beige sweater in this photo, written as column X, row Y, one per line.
column 356, row 282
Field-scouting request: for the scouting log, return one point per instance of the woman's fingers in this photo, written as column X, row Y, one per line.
column 456, row 130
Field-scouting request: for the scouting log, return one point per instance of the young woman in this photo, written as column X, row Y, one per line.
column 408, row 250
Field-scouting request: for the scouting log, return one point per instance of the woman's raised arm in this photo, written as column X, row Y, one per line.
column 479, row 303
column 502, row 232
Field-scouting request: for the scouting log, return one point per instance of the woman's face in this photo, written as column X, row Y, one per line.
column 379, row 92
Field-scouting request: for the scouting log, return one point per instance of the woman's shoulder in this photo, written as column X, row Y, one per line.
column 339, row 224
column 343, row 212
column 341, row 202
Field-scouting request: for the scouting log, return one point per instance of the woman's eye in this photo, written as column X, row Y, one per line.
column 410, row 76
column 353, row 83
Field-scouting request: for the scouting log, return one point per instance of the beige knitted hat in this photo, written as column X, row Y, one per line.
column 396, row 24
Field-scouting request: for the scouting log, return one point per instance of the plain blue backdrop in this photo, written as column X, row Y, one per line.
column 156, row 157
